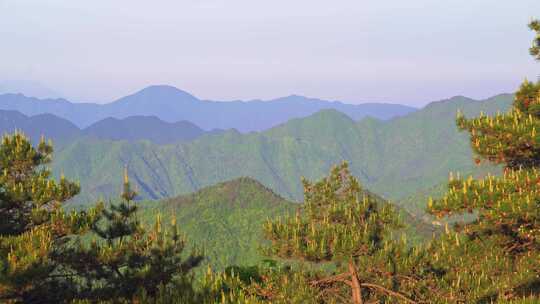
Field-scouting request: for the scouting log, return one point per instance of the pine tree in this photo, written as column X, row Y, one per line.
column 32, row 223
column 45, row 255
column 500, row 250
column 125, row 262
column 342, row 225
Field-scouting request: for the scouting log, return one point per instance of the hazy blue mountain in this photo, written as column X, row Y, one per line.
column 171, row 104
column 130, row 129
column 394, row 158
column 52, row 127
column 81, row 114
column 135, row 128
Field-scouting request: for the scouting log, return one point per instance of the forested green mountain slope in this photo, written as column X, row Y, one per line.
column 226, row 219
column 395, row 158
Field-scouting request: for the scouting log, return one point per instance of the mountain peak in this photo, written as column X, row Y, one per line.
column 240, row 191
column 331, row 114
column 297, row 98
column 454, row 100
column 164, row 90
column 162, row 95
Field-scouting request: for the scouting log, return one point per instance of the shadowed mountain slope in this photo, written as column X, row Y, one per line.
column 135, row 128
column 52, row 127
column 131, row 129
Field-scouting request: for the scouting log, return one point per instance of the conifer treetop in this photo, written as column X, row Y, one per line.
column 28, row 194
column 339, row 221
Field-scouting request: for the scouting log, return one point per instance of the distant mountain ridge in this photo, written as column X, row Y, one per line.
column 171, row 105
column 136, row 128
column 394, row 158
column 58, row 129
column 131, row 129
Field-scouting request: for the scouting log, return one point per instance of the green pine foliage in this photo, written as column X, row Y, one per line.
column 33, row 226
column 479, row 271
column 338, row 248
column 27, row 189
column 44, row 255
column 267, row 284
column 124, row 261
column 348, row 232
column 339, row 221
column 496, row 256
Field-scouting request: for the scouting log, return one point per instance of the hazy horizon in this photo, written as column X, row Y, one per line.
column 56, row 95
column 354, row 52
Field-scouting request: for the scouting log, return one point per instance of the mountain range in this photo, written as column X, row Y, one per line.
column 131, row 129
column 58, row 129
column 221, row 185
column 397, row 158
column 394, row 158
column 171, row 105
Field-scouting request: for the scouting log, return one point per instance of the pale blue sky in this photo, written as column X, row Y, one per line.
column 410, row 52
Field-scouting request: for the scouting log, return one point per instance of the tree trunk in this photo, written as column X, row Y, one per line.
column 356, row 290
